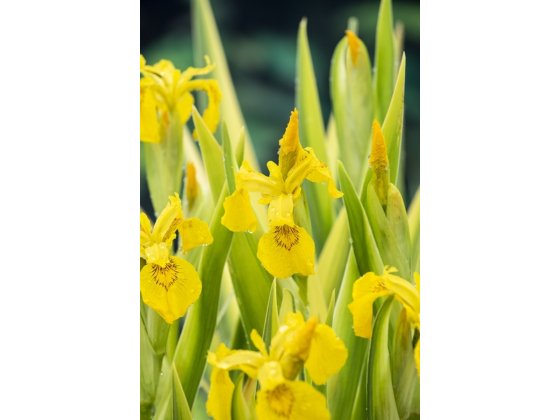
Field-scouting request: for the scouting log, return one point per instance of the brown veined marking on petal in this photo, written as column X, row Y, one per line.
column 165, row 276
column 286, row 236
column 281, row 400
column 174, row 226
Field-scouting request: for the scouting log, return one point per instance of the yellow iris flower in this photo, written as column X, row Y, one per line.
column 281, row 397
column 170, row 284
column 165, row 89
column 370, row 287
column 286, row 249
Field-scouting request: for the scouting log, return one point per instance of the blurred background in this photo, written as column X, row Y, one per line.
column 259, row 40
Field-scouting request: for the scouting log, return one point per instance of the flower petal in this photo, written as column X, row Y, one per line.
column 417, row 357
column 327, row 355
column 362, row 313
column 290, row 146
column 211, row 114
column 167, row 218
column 253, row 181
column 322, row 174
column 258, row 342
column 219, row 397
column 281, row 211
column 149, row 125
column 184, row 107
column 194, row 232
column 286, row 250
column 170, row 290
column 292, row 400
column 239, row 215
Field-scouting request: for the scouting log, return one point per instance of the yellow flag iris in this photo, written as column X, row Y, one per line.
column 165, row 89
column 281, row 397
column 370, row 287
column 286, row 249
column 169, row 284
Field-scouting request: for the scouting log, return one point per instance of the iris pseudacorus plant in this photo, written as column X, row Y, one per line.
column 286, row 249
column 170, row 284
column 164, row 90
column 296, row 345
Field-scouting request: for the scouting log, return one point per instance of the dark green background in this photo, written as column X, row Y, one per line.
column 259, row 39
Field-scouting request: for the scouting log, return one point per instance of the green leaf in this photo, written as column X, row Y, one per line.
column 212, row 155
column 200, row 322
column 271, row 323
column 240, row 149
column 180, row 406
column 414, row 224
column 332, row 262
column 230, row 163
column 252, row 299
column 343, row 386
column 405, row 376
column 164, row 164
column 383, row 70
column 381, row 399
column 391, row 253
column 363, row 243
column 150, row 368
column 312, row 133
column 288, row 305
column 207, row 42
column 393, row 125
column 352, row 98
column 330, row 310
column 241, row 410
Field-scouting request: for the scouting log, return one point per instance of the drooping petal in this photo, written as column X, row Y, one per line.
column 184, row 107
column 286, row 250
column 362, row 313
column 327, row 355
column 170, row 290
column 292, row 400
column 239, row 215
column 219, row 397
column 149, row 125
column 322, row 174
column 194, row 232
column 211, row 114
column 253, row 181
column 281, row 211
column 405, row 293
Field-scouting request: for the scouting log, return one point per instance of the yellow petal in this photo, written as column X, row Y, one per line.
column 362, row 313
column 219, row 397
column 281, row 211
column 299, row 344
column 417, row 280
column 149, row 125
column 167, row 218
column 405, row 293
column 258, row 342
column 327, row 355
column 239, row 215
column 286, row 250
column 365, row 291
column 248, row 361
column 417, row 357
column 265, row 199
column 142, row 62
column 211, row 114
column 322, row 174
column 292, row 400
column 157, row 254
column 290, row 147
column 253, row 181
column 294, row 319
column 194, row 71
column 170, row 290
column 184, row 107
column 307, row 163
column 194, row 232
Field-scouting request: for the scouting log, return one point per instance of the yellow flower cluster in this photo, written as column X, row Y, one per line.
column 164, row 90
column 282, row 396
column 286, row 249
